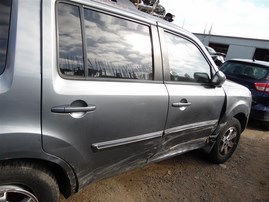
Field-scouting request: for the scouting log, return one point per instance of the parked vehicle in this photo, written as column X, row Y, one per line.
column 92, row 88
column 255, row 76
column 218, row 58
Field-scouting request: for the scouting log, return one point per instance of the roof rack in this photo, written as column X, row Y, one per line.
column 153, row 7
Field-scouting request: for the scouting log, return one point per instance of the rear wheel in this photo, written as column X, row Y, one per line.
column 16, row 193
column 21, row 182
column 226, row 142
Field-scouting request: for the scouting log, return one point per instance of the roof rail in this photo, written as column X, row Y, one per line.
column 153, row 7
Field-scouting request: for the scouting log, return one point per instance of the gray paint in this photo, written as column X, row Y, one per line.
column 129, row 124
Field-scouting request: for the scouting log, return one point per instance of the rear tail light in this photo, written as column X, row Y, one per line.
column 262, row 87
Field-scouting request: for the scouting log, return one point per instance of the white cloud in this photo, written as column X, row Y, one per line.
column 242, row 18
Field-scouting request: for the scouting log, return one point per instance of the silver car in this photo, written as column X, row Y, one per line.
column 92, row 88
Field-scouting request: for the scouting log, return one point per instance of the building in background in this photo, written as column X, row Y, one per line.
column 236, row 47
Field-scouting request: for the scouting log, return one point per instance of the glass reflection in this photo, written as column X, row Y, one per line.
column 117, row 48
column 70, row 41
column 185, row 59
column 5, row 6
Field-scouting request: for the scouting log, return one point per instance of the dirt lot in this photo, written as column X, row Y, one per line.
column 189, row 177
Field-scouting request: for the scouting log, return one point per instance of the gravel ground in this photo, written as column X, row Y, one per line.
column 189, row 177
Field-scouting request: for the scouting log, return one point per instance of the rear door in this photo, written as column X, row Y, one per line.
column 194, row 105
column 104, row 103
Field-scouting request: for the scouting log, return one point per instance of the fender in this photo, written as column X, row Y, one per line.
column 237, row 104
column 238, row 101
column 27, row 146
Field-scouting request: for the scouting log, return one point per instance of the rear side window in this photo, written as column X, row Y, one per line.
column 70, row 41
column 245, row 70
column 5, row 9
column 93, row 44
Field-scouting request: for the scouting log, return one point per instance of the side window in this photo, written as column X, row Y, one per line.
column 5, row 8
column 186, row 62
column 114, row 47
column 70, row 41
column 117, row 48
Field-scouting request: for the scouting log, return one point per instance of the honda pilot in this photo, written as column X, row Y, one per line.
column 92, row 88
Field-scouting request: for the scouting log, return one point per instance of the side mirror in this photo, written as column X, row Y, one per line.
column 201, row 77
column 218, row 79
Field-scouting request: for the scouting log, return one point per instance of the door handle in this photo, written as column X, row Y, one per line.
column 180, row 104
column 78, row 106
column 70, row 109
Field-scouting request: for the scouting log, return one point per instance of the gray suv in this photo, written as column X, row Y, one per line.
column 92, row 88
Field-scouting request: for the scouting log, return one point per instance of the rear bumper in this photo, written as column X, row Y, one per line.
column 260, row 112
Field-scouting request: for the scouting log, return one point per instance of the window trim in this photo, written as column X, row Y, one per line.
column 84, row 45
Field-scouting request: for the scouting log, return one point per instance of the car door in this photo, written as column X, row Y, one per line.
column 104, row 105
column 194, row 105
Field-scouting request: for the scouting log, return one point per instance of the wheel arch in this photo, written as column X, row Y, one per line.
column 243, row 119
column 66, row 179
column 238, row 111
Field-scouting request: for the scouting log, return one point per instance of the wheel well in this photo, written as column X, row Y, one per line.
column 242, row 119
column 61, row 177
column 58, row 172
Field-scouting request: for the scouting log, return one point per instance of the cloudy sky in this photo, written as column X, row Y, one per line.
column 242, row 18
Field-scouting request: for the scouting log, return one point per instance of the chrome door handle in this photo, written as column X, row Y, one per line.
column 180, row 104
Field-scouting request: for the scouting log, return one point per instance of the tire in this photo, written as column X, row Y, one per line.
column 226, row 142
column 20, row 181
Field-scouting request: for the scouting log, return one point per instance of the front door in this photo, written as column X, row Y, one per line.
column 194, row 105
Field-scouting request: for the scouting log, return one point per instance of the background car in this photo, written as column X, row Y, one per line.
column 219, row 58
column 255, row 76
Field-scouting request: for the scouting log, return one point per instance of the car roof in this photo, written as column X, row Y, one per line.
column 128, row 7
column 258, row 62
